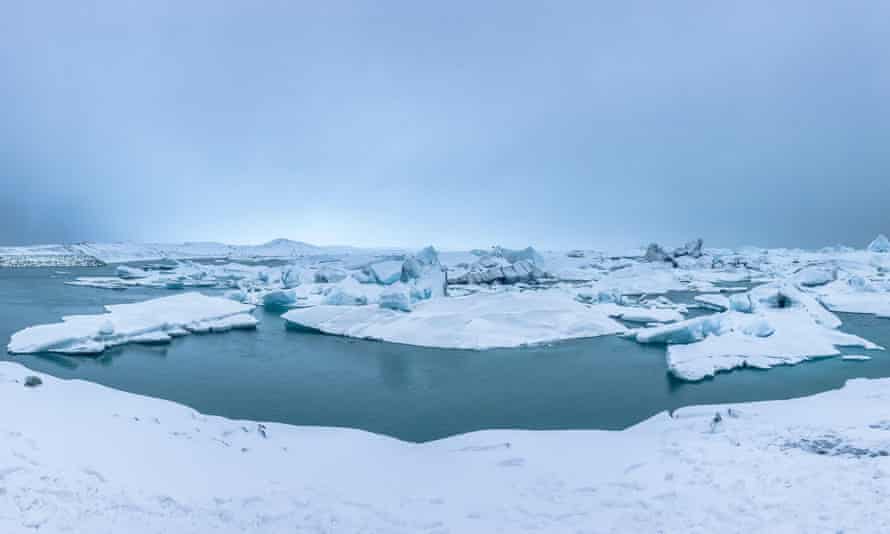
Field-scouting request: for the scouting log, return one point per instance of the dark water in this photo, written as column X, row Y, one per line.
column 417, row 394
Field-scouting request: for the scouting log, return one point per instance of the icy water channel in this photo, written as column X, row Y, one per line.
column 417, row 394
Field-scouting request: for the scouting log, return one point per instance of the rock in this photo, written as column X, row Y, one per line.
column 575, row 254
column 880, row 244
column 32, row 381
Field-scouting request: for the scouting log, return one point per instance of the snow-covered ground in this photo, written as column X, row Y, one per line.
column 79, row 457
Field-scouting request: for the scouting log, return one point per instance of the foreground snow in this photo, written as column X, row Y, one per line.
column 478, row 321
column 152, row 321
column 79, row 457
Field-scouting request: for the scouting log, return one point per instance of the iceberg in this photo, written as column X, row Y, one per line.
column 880, row 244
column 478, row 321
column 785, row 326
column 151, row 321
column 386, row 272
column 349, row 292
column 280, row 298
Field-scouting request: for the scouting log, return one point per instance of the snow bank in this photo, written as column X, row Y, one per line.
column 152, row 321
column 480, row 321
column 814, row 464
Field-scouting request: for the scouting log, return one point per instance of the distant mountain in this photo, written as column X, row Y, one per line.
column 87, row 253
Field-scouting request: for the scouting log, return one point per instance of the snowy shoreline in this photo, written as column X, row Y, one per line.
column 135, row 464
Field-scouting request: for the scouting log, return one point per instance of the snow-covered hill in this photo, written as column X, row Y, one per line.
column 98, row 253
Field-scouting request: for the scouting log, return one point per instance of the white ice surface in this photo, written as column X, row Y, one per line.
column 480, row 321
column 152, row 321
column 80, row 457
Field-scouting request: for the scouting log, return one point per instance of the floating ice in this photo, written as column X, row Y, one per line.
column 479, row 321
column 785, row 326
column 152, row 321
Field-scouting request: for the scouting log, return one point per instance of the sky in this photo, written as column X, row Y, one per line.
column 459, row 124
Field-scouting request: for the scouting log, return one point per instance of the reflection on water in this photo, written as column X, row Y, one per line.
column 276, row 374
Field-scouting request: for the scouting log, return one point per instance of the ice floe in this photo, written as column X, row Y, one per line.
column 478, row 321
column 782, row 326
column 152, row 321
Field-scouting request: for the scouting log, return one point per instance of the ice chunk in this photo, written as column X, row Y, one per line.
column 855, row 357
column 150, row 321
column 128, row 273
column 349, row 292
column 714, row 301
column 528, row 254
column 397, row 297
column 291, row 277
column 386, row 272
column 280, row 298
column 880, row 244
column 691, row 249
column 521, row 271
column 815, row 276
column 655, row 253
column 328, row 274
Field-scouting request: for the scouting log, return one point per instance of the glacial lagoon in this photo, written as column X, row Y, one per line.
column 278, row 374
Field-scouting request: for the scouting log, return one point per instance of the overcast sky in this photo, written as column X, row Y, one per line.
column 558, row 124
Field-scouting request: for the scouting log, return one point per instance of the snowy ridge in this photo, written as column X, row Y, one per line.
column 139, row 465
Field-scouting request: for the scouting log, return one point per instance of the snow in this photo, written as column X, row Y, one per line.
column 133, row 464
column 478, row 321
column 152, row 321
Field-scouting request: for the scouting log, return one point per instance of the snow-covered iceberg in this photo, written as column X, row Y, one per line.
column 151, row 321
column 479, row 321
column 782, row 326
